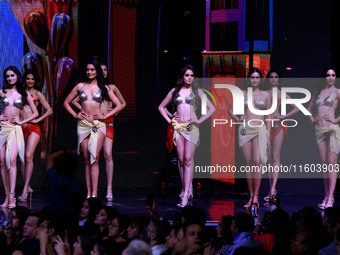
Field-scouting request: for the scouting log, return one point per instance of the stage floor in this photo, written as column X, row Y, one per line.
column 293, row 194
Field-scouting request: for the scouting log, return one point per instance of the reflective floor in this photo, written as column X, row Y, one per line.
column 293, row 195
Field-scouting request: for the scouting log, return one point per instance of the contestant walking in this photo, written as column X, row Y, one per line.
column 327, row 130
column 185, row 97
column 14, row 98
column 254, row 138
column 91, row 126
column 31, row 130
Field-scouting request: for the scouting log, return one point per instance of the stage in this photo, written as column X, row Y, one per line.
column 215, row 203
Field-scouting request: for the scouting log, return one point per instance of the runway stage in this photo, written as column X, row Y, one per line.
column 294, row 194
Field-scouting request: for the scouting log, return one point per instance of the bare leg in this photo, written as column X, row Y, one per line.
column 4, row 174
column 95, row 166
column 247, row 152
column 189, row 151
column 86, row 154
column 31, row 144
column 323, row 148
column 276, row 149
column 332, row 176
column 257, row 175
column 180, row 155
column 108, row 143
column 13, row 173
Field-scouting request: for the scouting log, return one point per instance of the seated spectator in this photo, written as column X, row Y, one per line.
column 157, row 231
column 103, row 218
column 13, row 232
column 242, row 229
column 118, row 232
column 104, row 247
column 171, row 241
column 29, row 244
column 85, row 243
column 303, row 244
column 136, row 227
column 223, row 234
column 137, row 247
column 49, row 231
column 88, row 214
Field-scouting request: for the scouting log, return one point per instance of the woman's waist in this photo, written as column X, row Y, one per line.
column 92, row 118
column 255, row 117
column 25, row 114
column 324, row 123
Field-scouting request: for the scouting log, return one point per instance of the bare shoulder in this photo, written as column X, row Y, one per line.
column 200, row 92
column 38, row 94
column 112, row 87
column 171, row 91
column 80, row 85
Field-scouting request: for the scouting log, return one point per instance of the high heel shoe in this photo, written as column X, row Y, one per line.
column 330, row 203
column 5, row 204
column 23, row 197
column 191, row 193
column 247, row 205
column 184, row 202
column 109, row 196
column 322, row 205
column 12, row 200
column 270, row 196
column 181, row 195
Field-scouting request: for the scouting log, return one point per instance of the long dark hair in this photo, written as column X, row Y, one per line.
column 106, row 80
column 19, row 84
column 22, row 213
column 251, row 71
column 322, row 83
column 100, row 76
column 180, row 82
column 266, row 84
column 35, row 76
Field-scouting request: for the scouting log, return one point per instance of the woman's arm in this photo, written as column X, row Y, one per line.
column 210, row 111
column 116, row 102
column 34, row 110
column 46, row 106
column 310, row 107
column 269, row 104
column 118, row 94
column 231, row 112
column 75, row 103
column 69, row 98
column 292, row 112
column 165, row 102
column 331, row 118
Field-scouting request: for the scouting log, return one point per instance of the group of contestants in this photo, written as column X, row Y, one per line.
column 259, row 145
column 97, row 102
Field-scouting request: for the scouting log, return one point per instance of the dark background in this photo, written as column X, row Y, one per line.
column 305, row 38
